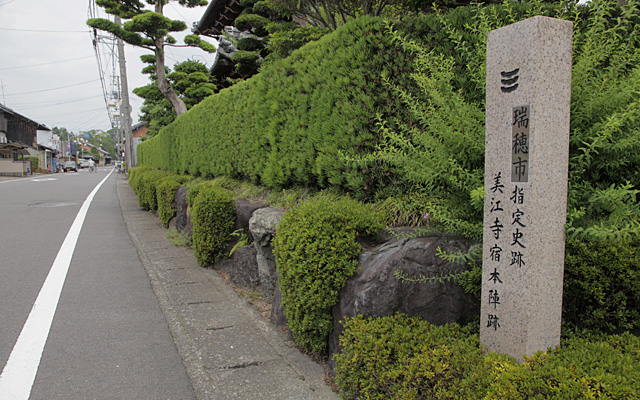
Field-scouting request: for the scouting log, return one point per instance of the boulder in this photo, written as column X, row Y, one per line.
column 262, row 226
column 181, row 208
column 241, row 267
column 244, row 211
column 374, row 291
column 277, row 309
column 245, row 268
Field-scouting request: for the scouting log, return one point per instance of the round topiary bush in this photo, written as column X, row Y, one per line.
column 316, row 252
column 165, row 194
column 214, row 215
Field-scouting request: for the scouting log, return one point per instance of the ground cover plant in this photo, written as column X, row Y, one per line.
column 401, row 357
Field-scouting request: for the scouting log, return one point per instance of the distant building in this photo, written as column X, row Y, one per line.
column 19, row 139
column 48, row 149
column 139, row 134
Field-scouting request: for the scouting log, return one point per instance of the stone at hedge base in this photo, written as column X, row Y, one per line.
column 526, row 167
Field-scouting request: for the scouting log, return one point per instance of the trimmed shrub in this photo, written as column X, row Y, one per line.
column 250, row 44
column 252, row 22
column 214, row 216
column 246, row 62
column 194, row 190
column 602, row 284
column 147, row 184
column 591, row 367
column 316, row 251
column 402, row 357
column 165, row 194
column 134, row 177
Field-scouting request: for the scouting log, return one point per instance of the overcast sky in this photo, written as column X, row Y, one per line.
column 49, row 70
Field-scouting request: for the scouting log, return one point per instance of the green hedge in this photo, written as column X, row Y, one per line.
column 316, row 251
column 289, row 124
column 213, row 216
column 401, row 357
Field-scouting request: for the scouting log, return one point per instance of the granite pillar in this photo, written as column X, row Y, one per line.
column 526, row 168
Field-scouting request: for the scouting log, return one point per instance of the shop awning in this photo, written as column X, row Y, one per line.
column 11, row 148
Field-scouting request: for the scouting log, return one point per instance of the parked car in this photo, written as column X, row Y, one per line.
column 70, row 166
column 84, row 163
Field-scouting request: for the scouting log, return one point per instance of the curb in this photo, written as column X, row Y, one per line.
column 228, row 349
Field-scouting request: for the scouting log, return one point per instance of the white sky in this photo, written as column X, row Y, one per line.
column 49, row 70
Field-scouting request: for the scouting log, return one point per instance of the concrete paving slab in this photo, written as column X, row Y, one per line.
column 229, row 350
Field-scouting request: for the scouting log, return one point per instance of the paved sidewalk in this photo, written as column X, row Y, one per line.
column 229, row 350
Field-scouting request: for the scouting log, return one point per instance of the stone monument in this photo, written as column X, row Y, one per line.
column 526, row 168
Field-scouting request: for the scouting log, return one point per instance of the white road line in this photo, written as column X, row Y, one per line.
column 20, row 371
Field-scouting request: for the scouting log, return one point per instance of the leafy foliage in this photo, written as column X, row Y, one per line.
column 408, row 357
column 213, row 215
column 147, row 185
column 165, row 193
column 441, row 150
column 605, row 134
column 285, row 38
column 190, row 79
column 400, row 357
column 134, row 177
column 331, row 14
column 316, row 252
column 394, row 112
column 246, row 62
column 602, row 284
column 330, row 110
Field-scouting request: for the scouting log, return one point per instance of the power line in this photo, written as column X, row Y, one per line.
column 111, row 95
column 4, row 4
column 48, row 90
column 48, row 63
column 40, row 30
column 56, row 103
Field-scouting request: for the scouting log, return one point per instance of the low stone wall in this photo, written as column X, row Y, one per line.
column 374, row 291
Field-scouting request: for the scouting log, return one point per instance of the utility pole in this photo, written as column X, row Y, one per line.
column 125, row 109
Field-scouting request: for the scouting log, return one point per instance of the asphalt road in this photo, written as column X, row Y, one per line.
column 108, row 338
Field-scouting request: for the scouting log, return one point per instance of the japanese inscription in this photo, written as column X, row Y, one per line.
column 520, row 141
column 508, row 230
column 511, row 223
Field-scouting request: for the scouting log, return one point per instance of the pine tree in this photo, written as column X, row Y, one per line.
column 150, row 29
